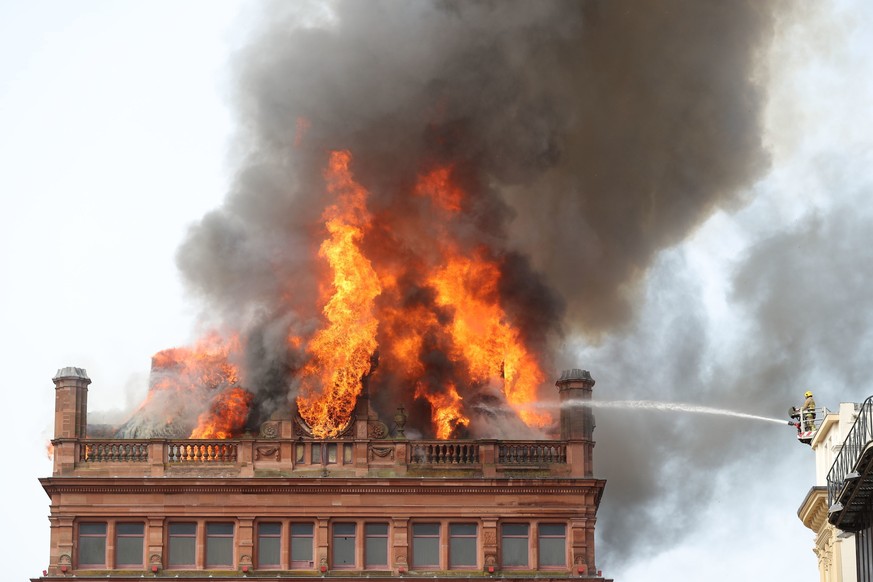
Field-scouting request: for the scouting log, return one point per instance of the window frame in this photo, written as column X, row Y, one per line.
column 169, row 544
column 296, row 564
column 420, row 539
column 118, row 536
column 333, row 545
column 540, row 537
column 368, row 536
column 475, row 540
column 105, row 537
column 526, row 537
column 260, row 537
column 217, row 537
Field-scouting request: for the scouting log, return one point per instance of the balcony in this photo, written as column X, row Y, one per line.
column 850, row 482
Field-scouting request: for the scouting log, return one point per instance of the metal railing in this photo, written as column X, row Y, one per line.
column 859, row 437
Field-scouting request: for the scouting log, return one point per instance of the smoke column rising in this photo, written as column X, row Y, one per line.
column 591, row 135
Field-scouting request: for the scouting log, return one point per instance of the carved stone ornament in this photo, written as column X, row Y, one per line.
column 579, row 559
column 489, row 537
column 401, row 558
column 386, row 453
column 273, row 453
column 270, row 430
column 490, row 560
column 155, row 559
column 245, row 560
column 377, row 429
column 65, row 560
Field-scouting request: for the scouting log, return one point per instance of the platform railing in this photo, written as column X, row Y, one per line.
column 531, row 453
column 859, row 437
column 121, row 451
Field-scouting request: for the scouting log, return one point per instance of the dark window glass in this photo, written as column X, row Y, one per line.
column 129, row 544
column 462, row 545
column 425, row 545
column 514, row 544
column 182, row 540
column 219, row 544
column 344, row 545
column 92, row 544
column 269, row 544
column 552, row 545
column 376, row 545
column 301, row 545
column 316, row 454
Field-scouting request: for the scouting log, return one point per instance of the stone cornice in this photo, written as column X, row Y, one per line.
column 813, row 511
column 169, row 485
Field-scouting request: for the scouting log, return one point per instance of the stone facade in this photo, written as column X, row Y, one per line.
column 281, row 504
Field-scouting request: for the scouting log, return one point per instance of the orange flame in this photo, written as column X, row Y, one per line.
column 446, row 412
column 50, row 451
column 226, row 416
column 340, row 352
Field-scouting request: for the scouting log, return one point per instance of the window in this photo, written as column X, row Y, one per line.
column 92, row 545
column 344, row 545
column 299, row 452
column 331, row 453
column 129, row 544
column 552, row 545
column 462, row 545
column 375, row 545
column 347, row 454
column 514, row 544
column 425, row 545
column 219, row 544
column 316, row 454
column 269, row 544
column 301, row 545
column 182, row 538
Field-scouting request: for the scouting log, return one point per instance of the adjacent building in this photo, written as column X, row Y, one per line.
column 369, row 503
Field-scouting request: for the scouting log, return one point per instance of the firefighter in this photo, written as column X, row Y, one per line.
column 808, row 409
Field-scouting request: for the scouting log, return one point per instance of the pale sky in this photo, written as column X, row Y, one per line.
column 115, row 134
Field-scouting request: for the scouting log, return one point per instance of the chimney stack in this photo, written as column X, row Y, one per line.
column 71, row 402
column 577, row 422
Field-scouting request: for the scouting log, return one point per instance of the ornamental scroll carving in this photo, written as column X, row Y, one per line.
column 489, row 537
column 273, row 453
column 386, row 453
column 155, row 559
column 65, row 560
column 490, row 560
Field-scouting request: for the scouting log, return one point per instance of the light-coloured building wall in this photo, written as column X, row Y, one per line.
column 835, row 549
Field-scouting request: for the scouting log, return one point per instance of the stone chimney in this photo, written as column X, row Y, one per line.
column 71, row 402
column 577, row 421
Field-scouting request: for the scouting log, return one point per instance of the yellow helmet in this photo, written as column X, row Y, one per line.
column 807, row 394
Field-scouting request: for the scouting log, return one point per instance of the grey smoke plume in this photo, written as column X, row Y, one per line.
column 589, row 135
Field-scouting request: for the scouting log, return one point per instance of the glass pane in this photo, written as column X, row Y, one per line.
column 343, row 551
column 269, row 529
column 301, row 550
column 92, row 551
column 219, row 551
column 92, row 529
column 305, row 529
column 462, row 529
column 462, row 552
column 268, row 551
column 515, row 551
column 515, row 529
column 377, row 529
column 425, row 552
column 426, row 529
column 331, row 453
column 552, row 529
column 219, row 529
column 552, row 552
column 183, row 529
column 343, row 529
column 129, row 529
column 128, row 551
column 316, row 453
column 347, row 454
column 376, row 553
column 181, row 551
column 300, row 453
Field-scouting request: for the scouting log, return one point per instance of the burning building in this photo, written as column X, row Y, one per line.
column 293, row 501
